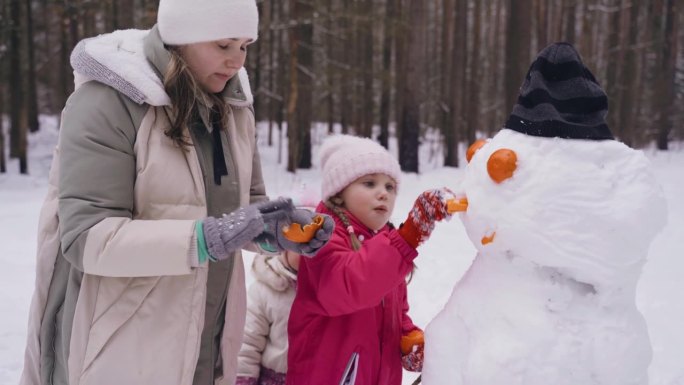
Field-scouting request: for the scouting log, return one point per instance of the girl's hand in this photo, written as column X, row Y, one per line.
column 413, row 362
column 430, row 207
column 412, row 347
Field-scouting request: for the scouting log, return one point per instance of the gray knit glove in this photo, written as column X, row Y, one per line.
column 273, row 239
column 232, row 231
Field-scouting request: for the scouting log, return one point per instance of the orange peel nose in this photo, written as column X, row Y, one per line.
column 457, row 205
column 487, row 239
column 296, row 233
column 501, row 164
column 474, row 147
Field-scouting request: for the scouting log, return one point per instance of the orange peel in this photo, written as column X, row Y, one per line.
column 502, row 164
column 302, row 234
column 413, row 338
column 474, row 148
column 487, row 239
column 457, row 205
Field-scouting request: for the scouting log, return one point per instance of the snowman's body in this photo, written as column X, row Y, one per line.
column 552, row 299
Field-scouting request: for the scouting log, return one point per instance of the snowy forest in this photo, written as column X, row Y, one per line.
column 379, row 67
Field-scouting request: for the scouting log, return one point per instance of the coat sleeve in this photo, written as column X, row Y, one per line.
column 346, row 281
column 407, row 324
column 96, row 194
column 257, row 326
column 257, row 190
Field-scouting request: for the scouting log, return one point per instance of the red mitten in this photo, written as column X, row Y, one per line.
column 430, row 207
column 413, row 362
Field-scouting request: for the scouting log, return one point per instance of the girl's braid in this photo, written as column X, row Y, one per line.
column 356, row 244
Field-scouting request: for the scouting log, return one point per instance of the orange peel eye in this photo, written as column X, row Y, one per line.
column 501, row 164
column 474, row 147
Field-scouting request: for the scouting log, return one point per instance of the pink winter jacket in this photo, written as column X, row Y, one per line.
column 351, row 306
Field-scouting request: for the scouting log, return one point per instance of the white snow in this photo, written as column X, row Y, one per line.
column 443, row 260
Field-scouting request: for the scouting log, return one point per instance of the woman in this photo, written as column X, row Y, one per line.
column 156, row 143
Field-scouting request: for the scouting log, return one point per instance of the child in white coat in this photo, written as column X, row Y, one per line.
column 263, row 357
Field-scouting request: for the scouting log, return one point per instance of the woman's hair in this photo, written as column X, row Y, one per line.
column 186, row 95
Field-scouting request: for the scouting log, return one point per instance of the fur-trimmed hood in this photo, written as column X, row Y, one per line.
column 119, row 59
column 269, row 270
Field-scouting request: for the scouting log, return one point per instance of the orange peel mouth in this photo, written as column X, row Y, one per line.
column 487, row 239
column 302, row 234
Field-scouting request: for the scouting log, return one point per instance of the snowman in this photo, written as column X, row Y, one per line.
column 562, row 216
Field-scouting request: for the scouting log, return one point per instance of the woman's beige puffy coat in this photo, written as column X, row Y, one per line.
column 138, row 312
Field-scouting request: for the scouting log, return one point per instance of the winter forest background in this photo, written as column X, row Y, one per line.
column 451, row 65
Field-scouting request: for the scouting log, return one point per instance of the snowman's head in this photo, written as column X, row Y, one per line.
column 555, row 188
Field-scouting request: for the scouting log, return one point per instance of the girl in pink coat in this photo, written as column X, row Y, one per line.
column 350, row 311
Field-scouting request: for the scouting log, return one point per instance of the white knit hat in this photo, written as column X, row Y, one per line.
column 345, row 158
column 194, row 21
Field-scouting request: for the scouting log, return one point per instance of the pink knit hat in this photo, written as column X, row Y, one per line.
column 345, row 158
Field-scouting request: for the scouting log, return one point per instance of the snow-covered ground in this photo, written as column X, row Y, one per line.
column 443, row 260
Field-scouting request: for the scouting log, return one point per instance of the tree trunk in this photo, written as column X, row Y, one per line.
column 68, row 39
column 346, row 107
column 330, row 41
column 299, row 103
column 475, row 78
column 306, row 83
column 4, row 76
column 588, row 38
column 256, row 69
column 459, row 62
column 569, row 20
column 541, row 7
column 149, row 16
column 3, row 165
column 366, row 50
column 410, row 112
column 281, row 82
column 89, row 19
column 401, row 35
column 126, row 14
column 31, row 94
column 267, row 21
column 386, row 77
column 616, row 59
column 447, row 92
column 518, row 38
column 292, row 100
column 330, row 52
column 18, row 111
column 628, row 97
column 667, row 75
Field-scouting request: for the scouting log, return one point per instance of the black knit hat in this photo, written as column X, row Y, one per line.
column 560, row 98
